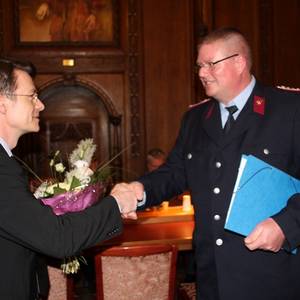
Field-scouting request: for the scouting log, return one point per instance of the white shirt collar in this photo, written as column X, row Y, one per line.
column 6, row 147
column 240, row 101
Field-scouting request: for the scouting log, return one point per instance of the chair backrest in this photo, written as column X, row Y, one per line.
column 61, row 286
column 137, row 272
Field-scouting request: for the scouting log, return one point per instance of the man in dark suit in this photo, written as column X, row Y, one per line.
column 27, row 227
column 265, row 122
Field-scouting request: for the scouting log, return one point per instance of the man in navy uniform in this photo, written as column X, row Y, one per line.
column 242, row 117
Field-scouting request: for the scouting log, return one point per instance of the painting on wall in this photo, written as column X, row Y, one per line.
column 67, row 21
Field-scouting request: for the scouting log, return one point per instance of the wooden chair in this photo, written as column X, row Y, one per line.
column 137, row 272
column 187, row 291
column 61, row 286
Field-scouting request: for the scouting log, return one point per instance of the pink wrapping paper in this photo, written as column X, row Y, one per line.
column 74, row 201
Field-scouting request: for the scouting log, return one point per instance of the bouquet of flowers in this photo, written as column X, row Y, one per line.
column 74, row 188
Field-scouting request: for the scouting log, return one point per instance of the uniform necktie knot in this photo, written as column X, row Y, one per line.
column 231, row 109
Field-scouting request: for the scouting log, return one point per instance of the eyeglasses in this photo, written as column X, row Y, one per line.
column 34, row 97
column 210, row 65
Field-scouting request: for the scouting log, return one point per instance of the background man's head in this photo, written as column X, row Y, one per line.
column 155, row 158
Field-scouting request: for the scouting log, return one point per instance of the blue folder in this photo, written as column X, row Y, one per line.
column 260, row 191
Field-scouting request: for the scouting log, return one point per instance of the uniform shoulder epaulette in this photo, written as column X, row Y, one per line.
column 287, row 88
column 199, row 103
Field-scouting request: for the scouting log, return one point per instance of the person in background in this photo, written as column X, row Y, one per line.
column 242, row 116
column 155, row 158
column 27, row 227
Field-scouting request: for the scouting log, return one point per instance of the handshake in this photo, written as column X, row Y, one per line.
column 127, row 196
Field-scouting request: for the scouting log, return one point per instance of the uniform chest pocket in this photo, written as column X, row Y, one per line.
column 197, row 162
column 276, row 156
column 195, row 156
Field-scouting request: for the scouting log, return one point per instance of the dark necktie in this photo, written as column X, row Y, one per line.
column 231, row 109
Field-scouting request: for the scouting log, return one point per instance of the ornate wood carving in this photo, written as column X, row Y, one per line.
column 103, row 63
column 71, row 79
column 133, row 73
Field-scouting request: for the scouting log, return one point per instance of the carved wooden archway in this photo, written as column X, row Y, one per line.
column 74, row 109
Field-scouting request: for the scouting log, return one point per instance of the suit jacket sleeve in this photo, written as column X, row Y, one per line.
column 24, row 220
column 289, row 218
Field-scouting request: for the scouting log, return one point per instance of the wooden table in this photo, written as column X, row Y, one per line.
column 177, row 233
column 156, row 226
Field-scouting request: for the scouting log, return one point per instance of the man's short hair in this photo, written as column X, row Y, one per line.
column 156, row 153
column 8, row 78
column 155, row 158
column 226, row 34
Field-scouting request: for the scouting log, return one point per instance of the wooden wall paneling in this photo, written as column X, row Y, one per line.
column 286, row 45
column 203, row 22
column 264, row 50
column 206, row 8
column 168, row 68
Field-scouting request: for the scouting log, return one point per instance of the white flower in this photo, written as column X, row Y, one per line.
column 40, row 192
column 63, row 185
column 82, row 170
column 81, row 164
column 83, row 174
column 59, row 168
column 84, row 151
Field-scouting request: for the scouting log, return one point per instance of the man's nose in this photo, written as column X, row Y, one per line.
column 40, row 105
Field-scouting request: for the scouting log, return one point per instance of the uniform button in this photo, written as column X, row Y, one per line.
column 219, row 242
column 218, row 164
column 216, row 190
column 217, row 217
column 189, row 156
column 266, row 151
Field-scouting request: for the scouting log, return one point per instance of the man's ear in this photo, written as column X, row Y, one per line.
column 2, row 104
column 241, row 63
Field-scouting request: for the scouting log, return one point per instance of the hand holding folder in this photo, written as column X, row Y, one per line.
column 260, row 191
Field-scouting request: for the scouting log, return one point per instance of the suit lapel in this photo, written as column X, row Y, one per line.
column 211, row 121
column 252, row 115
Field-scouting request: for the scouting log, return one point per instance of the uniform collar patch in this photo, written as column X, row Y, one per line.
column 259, row 105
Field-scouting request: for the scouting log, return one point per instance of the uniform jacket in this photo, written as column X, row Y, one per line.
column 205, row 161
column 27, row 228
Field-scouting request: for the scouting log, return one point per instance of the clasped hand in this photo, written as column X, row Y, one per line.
column 127, row 196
